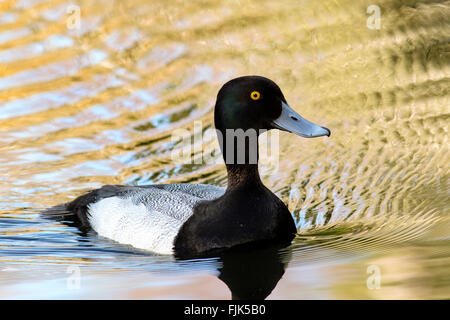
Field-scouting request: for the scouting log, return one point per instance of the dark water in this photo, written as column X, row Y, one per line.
column 97, row 101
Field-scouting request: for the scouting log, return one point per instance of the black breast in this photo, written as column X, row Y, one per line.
column 241, row 217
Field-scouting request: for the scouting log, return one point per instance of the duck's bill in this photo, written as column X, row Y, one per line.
column 291, row 121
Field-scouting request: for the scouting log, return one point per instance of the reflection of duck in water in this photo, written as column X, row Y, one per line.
column 195, row 219
column 252, row 274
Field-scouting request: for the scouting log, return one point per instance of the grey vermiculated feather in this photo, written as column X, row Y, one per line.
column 146, row 217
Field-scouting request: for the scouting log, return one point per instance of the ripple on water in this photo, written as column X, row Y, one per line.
column 97, row 105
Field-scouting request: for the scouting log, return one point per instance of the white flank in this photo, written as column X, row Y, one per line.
column 123, row 221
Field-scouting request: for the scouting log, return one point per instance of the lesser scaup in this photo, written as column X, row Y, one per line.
column 195, row 219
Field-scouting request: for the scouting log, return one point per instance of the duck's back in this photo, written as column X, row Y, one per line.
column 146, row 217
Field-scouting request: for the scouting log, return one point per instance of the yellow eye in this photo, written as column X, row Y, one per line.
column 255, row 95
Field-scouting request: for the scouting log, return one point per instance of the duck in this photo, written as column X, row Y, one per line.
column 192, row 220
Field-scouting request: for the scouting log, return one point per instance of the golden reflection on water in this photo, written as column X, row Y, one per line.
column 82, row 107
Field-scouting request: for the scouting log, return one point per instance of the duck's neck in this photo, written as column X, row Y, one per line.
column 241, row 156
column 243, row 175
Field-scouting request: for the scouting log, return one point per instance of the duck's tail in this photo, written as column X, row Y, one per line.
column 77, row 210
column 60, row 210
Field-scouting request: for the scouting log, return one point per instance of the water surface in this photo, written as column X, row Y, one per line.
column 96, row 101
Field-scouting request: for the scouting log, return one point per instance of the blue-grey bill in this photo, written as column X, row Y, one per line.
column 291, row 121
